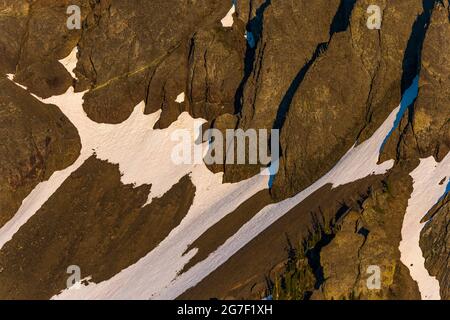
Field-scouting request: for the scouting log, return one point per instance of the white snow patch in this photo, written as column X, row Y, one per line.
column 228, row 21
column 35, row 200
column 180, row 98
column 143, row 154
column 70, row 62
column 427, row 192
column 155, row 275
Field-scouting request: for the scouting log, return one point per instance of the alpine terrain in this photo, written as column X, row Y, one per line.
column 128, row 138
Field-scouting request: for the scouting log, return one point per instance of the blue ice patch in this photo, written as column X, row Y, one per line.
column 251, row 39
column 408, row 98
column 273, row 169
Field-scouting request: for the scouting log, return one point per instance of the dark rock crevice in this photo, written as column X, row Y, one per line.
column 255, row 27
column 413, row 52
column 340, row 23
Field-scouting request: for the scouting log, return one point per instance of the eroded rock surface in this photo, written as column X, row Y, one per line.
column 93, row 221
column 311, row 69
column 37, row 140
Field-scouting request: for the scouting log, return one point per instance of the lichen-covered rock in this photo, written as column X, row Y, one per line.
column 349, row 90
column 125, row 43
column 431, row 119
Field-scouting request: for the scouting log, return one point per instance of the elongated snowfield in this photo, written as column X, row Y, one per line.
column 429, row 187
column 155, row 275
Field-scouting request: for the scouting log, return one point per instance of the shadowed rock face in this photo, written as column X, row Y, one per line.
column 37, row 140
column 287, row 34
column 136, row 50
column 93, row 221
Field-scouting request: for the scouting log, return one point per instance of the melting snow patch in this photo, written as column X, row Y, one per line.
column 428, row 190
column 180, row 98
column 227, row 21
column 70, row 62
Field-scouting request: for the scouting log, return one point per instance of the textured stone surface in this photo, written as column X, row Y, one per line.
column 125, row 43
column 37, row 139
column 370, row 238
column 357, row 79
column 431, row 121
column 103, row 229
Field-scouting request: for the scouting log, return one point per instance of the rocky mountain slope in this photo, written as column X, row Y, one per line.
column 357, row 210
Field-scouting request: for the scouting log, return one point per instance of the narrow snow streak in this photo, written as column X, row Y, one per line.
column 180, row 98
column 228, row 21
column 428, row 190
column 70, row 62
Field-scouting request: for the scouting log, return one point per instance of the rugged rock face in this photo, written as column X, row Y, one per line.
column 36, row 36
column 279, row 29
column 37, row 141
column 431, row 123
column 134, row 50
column 211, row 85
column 366, row 239
column 105, row 228
column 367, row 65
column 311, row 69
